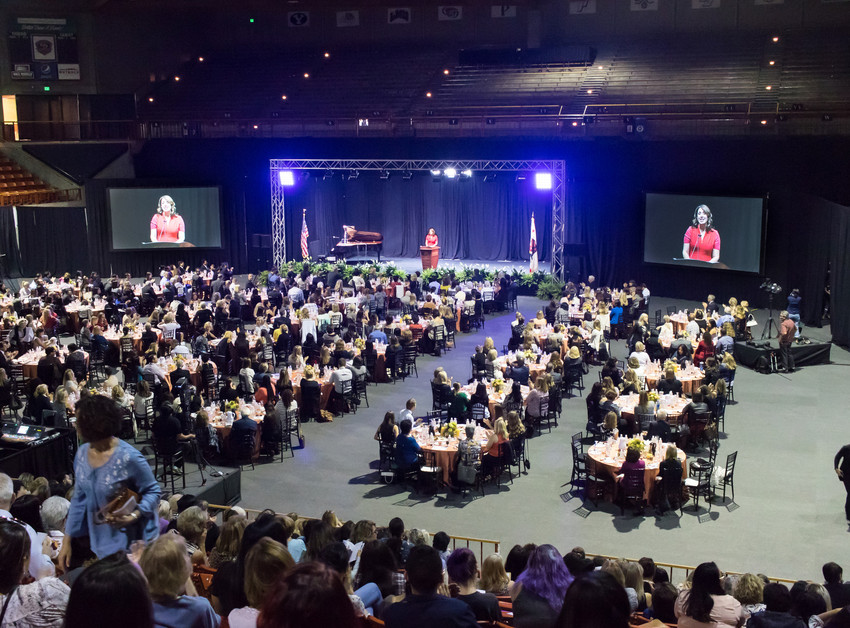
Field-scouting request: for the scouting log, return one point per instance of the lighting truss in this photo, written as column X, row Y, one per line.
column 555, row 166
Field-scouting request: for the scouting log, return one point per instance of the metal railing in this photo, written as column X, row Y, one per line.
column 456, row 541
column 679, row 573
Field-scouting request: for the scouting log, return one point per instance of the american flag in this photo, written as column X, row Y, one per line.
column 305, row 235
column 532, row 247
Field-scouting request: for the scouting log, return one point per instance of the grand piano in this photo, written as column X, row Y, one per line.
column 356, row 242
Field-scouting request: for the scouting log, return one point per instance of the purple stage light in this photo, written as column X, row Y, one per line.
column 543, row 180
column 287, row 178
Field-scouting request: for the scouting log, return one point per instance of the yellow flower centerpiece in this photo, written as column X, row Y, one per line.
column 360, row 343
column 635, row 443
column 529, row 356
column 449, row 430
column 498, row 385
column 652, row 395
column 671, row 364
column 406, row 318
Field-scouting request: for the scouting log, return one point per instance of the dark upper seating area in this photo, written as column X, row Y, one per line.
column 685, row 74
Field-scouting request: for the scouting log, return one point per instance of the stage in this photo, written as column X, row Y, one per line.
column 414, row 264
column 804, row 354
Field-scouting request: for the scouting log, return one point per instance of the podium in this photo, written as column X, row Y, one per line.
column 430, row 256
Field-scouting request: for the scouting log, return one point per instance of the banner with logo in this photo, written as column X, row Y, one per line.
column 43, row 49
column 298, row 19
column 644, row 5
column 503, row 10
column 399, row 15
column 450, row 13
column 582, row 7
column 347, row 18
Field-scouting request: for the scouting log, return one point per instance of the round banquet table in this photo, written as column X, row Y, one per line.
column 223, row 430
column 495, row 399
column 295, row 378
column 445, row 449
column 114, row 337
column 601, row 464
column 690, row 377
column 29, row 361
column 680, row 321
column 535, row 369
column 673, row 405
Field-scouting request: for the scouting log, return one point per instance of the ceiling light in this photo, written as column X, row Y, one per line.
column 200, row 59
column 590, row 91
column 575, row 123
column 176, row 78
column 771, row 62
column 764, row 121
column 768, row 87
column 445, row 71
column 150, row 99
column 327, row 55
column 775, row 39
column 306, row 75
column 283, row 97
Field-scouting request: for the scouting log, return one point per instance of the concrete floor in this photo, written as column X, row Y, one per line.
column 787, row 520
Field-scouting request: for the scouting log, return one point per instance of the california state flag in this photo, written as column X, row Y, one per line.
column 532, row 247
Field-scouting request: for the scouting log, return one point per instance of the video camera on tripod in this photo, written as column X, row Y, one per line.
column 772, row 288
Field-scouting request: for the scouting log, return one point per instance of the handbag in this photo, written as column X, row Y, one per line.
column 122, row 504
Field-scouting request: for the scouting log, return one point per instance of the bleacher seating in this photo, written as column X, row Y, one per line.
column 20, row 187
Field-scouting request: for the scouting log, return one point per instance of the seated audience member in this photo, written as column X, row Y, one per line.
column 777, row 601
column 518, row 372
column 706, row 603
column 378, row 565
column 423, row 607
column 612, row 370
column 309, row 596
column 669, row 468
column 462, row 569
column 468, row 457
column 408, row 452
column 538, row 593
column 166, row 565
column 494, row 578
column 228, row 541
column 748, row 591
column 659, row 427
column 641, row 354
column 365, row 599
column 839, row 591
column 670, row 385
column 40, row 603
column 266, row 563
column 594, row 599
column 245, row 425
column 192, row 526
column 115, row 590
column 663, row 602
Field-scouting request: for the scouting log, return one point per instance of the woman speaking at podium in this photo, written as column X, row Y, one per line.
column 166, row 224
column 431, row 239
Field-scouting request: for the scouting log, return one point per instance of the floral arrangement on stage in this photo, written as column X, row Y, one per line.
column 360, row 343
column 540, row 282
column 652, row 395
column 449, row 430
column 635, row 443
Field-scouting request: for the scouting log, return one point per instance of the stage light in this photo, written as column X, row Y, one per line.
column 489, row 177
column 450, row 173
column 436, row 176
column 467, row 173
column 286, row 177
column 384, row 175
column 363, row 122
column 328, row 174
column 520, row 176
column 407, row 175
column 575, row 123
column 436, row 173
column 543, row 180
column 353, row 174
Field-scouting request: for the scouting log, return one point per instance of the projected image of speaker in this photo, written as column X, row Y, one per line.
column 164, row 217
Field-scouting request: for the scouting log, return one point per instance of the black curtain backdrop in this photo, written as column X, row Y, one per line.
column 475, row 220
column 53, row 239
column 11, row 264
column 840, row 276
